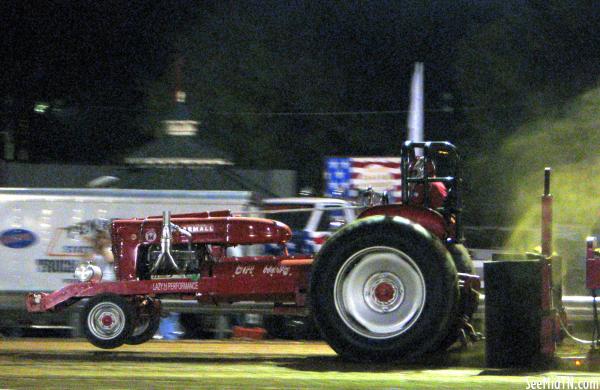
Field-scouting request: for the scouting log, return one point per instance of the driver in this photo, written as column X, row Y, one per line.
column 102, row 254
column 437, row 190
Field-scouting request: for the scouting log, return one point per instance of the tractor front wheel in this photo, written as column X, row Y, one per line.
column 107, row 320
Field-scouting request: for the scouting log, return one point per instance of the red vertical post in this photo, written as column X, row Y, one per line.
column 592, row 274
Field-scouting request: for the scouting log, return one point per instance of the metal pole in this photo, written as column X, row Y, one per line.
column 547, row 215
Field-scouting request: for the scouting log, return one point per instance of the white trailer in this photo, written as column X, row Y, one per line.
column 43, row 235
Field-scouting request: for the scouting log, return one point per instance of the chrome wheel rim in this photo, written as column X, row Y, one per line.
column 379, row 292
column 106, row 321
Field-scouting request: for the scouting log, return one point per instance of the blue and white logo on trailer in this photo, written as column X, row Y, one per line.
column 17, row 238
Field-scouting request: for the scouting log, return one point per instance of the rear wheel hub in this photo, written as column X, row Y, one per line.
column 384, row 292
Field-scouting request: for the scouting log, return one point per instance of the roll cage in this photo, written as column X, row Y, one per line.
column 452, row 179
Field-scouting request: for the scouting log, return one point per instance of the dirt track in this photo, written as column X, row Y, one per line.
column 51, row 363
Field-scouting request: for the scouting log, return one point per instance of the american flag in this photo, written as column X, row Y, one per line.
column 344, row 176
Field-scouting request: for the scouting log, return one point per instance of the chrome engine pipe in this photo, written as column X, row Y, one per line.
column 165, row 245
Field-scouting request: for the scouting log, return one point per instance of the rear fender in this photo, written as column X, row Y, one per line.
column 429, row 219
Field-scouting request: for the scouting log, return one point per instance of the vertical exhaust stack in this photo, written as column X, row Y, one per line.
column 165, row 245
column 547, row 215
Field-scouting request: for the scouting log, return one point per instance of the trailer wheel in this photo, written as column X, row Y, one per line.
column 383, row 289
column 146, row 325
column 107, row 320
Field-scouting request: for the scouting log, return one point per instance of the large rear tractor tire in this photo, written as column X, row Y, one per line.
column 108, row 320
column 383, row 289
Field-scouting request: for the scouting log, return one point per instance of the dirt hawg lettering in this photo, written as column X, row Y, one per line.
column 277, row 270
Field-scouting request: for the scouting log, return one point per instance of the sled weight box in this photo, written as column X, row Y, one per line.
column 513, row 313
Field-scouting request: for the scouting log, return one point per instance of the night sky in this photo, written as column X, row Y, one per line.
column 107, row 69
column 87, row 51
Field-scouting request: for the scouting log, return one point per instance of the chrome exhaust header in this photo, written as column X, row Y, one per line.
column 165, row 245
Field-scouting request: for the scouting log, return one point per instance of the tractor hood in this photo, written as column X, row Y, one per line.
column 204, row 228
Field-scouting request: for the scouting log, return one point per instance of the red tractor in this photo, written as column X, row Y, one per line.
column 394, row 284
